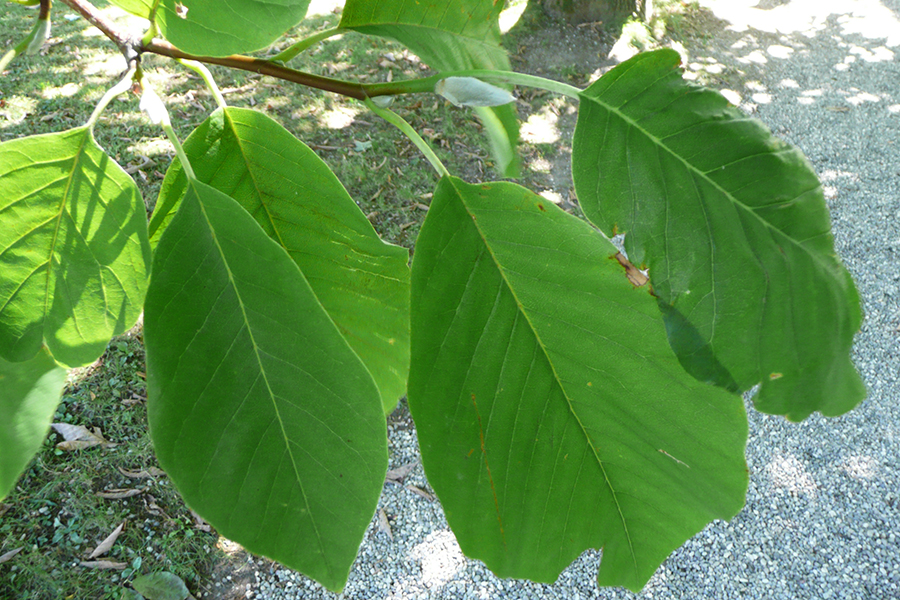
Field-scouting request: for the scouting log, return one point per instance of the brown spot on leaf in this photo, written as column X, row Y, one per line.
column 541, row 206
column 635, row 276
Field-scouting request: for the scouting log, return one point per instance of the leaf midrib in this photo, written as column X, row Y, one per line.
column 524, row 313
column 262, row 369
column 703, row 175
column 76, row 159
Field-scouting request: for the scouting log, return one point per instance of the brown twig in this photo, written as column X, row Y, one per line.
column 263, row 67
column 132, row 47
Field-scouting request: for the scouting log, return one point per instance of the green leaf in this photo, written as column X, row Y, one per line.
column 501, row 125
column 74, row 253
column 31, row 392
column 362, row 282
column 141, row 8
column 552, row 415
column 260, row 412
column 161, row 586
column 129, row 594
column 733, row 225
column 446, row 34
column 449, row 35
column 216, row 28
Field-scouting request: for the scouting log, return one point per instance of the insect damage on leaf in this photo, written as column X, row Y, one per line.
column 635, row 275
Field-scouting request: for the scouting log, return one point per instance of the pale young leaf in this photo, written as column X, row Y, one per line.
column 468, row 91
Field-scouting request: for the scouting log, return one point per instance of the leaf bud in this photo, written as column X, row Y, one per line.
column 154, row 107
column 468, row 91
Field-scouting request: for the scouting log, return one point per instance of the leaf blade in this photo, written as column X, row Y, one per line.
column 31, row 392
column 534, row 387
column 140, row 8
column 213, row 28
column 361, row 281
column 267, row 422
column 733, row 225
column 74, row 250
column 162, row 585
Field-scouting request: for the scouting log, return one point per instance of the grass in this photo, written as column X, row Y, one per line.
column 54, row 514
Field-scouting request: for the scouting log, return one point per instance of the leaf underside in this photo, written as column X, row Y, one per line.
column 552, row 415
column 263, row 416
column 74, row 252
column 362, row 282
column 733, row 225
column 31, row 392
column 217, row 28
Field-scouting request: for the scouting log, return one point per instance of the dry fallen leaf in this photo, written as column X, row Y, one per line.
column 419, row 491
column 103, row 564
column 135, row 399
column 118, row 494
column 383, row 525
column 153, row 508
column 400, row 473
column 4, row 508
column 107, row 544
column 143, row 473
column 8, row 555
column 78, row 437
column 199, row 522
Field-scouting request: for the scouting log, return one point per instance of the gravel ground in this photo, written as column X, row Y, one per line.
column 822, row 518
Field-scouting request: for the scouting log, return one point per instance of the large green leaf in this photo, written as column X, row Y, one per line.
column 362, row 282
column 552, row 415
column 449, row 35
column 263, row 416
column 501, row 126
column 446, row 34
column 733, row 226
column 30, row 395
column 217, row 28
column 74, row 253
